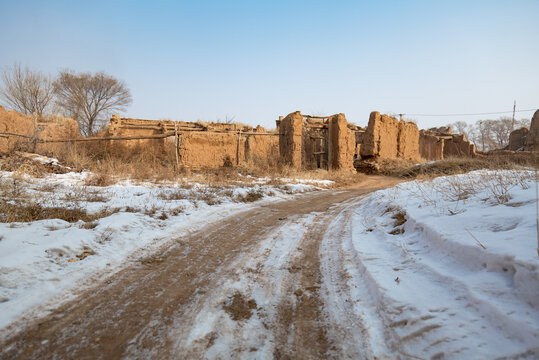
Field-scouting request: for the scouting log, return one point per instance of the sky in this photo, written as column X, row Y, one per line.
column 255, row 60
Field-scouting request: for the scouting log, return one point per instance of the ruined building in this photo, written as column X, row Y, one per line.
column 523, row 139
column 390, row 138
column 440, row 143
column 316, row 142
column 201, row 145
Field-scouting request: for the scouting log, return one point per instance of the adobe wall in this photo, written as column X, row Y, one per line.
column 341, row 144
column 15, row 122
column 532, row 142
column 209, row 150
column 261, row 149
column 431, row 147
column 408, row 141
column 387, row 137
column 518, row 139
column 458, row 146
column 290, row 139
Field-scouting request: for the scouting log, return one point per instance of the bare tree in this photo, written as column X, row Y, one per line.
column 90, row 98
column 26, row 91
column 460, row 127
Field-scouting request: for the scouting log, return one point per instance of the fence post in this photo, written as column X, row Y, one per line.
column 238, row 149
column 176, row 145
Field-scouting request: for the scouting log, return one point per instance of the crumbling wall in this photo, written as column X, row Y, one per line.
column 290, row 139
column 431, row 147
column 341, row 143
column 532, row 142
column 122, row 127
column 210, row 150
column 408, row 141
column 17, row 123
column 261, row 149
column 386, row 137
column 14, row 122
column 518, row 139
column 458, row 146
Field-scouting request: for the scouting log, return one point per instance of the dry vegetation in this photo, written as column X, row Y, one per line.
column 451, row 166
column 112, row 161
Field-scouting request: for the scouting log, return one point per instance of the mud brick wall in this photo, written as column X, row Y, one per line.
column 210, row 150
column 15, row 122
column 458, row 146
column 120, row 127
column 261, row 149
column 408, row 141
column 290, row 139
column 341, row 144
column 518, row 139
column 533, row 137
column 387, row 137
column 431, row 147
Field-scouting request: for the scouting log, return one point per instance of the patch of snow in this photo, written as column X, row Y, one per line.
column 458, row 279
column 43, row 260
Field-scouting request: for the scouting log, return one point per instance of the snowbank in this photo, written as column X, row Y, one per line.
column 443, row 268
column 42, row 259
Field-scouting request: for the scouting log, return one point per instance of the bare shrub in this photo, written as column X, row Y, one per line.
column 251, row 196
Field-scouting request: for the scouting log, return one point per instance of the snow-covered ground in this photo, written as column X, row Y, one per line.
column 439, row 269
column 42, row 261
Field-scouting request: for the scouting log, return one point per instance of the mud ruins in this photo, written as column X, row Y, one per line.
column 300, row 141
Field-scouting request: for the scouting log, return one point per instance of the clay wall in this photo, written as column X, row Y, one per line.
column 408, row 141
column 387, row 137
column 202, row 145
column 458, row 146
column 54, row 128
column 431, row 147
column 14, row 122
column 341, row 145
column 518, row 139
column 532, row 142
column 291, row 139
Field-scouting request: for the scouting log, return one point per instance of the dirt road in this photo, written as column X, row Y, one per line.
column 248, row 286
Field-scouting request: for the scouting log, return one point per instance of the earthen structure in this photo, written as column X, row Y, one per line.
column 390, row 138
column 440, row 143
column 13, row 122
column 317, row 142
column 518, row 139
column 532, row 141
column 201, row 145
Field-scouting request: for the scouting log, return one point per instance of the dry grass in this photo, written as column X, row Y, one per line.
column 452, row 166
column 32, row 211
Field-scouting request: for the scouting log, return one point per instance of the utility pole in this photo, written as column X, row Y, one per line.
column 513, row 121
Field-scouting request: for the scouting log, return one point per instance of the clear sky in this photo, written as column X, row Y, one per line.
column 256, row 60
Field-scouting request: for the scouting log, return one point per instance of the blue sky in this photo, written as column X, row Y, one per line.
column 256, row 60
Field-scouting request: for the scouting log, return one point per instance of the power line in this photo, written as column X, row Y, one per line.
column 471, row 114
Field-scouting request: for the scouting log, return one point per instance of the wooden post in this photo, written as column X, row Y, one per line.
column 238, row 149
column 176, row 145
column 35, row 132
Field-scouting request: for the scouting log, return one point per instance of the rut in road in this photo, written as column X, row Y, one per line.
column 246, row 285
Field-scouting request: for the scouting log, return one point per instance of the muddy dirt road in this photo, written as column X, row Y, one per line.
column 246, row 287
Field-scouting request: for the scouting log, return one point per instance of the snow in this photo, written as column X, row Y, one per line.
column 42, row 262
column 460, row 281
column 260, row 275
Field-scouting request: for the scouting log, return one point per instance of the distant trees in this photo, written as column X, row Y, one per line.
column 90, row 98
column 29, row 92
column 489, row 134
